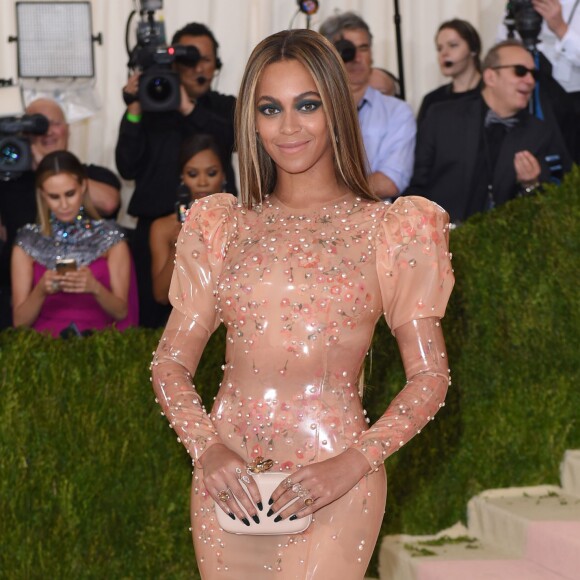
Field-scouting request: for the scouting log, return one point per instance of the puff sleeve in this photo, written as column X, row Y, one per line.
column 416, row 279
column 201, row 249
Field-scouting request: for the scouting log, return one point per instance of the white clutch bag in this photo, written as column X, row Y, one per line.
column 267, row 483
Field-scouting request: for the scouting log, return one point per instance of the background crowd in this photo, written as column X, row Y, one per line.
column 477, row 142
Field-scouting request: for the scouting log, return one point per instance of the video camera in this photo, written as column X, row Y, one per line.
column 15, row 154
column 522, row 17
column 346, row 49
column 159, row 85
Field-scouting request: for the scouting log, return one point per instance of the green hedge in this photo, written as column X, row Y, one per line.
column 94, row 485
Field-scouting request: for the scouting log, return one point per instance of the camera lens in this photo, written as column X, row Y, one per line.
column 159, row 89
column 346, row 49
column 10, row 154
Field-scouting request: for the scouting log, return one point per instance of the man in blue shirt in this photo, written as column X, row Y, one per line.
column 387, row 124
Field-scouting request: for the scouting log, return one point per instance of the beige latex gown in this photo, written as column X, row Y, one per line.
column 300, row 294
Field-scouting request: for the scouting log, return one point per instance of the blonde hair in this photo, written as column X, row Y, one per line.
column 53, row 164
column 319, row 57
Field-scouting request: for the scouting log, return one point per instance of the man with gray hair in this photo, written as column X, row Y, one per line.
column 387, row 124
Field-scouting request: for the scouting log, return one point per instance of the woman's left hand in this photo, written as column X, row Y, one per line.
column 322, row 483
column 79, row 282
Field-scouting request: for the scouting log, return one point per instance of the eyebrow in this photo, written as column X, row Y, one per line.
column 296, row 98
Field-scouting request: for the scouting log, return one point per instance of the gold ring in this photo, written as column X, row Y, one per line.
column 308, row 501
column 224, row 495
column 299, row 490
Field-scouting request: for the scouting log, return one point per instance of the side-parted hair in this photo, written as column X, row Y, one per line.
column 53, row 164
column 467, row 32
column 492, row 57
column 322, row 61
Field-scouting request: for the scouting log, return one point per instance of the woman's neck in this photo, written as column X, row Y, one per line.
column 467, row 80
column 308, row 191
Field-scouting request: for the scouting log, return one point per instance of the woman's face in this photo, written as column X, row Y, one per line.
column 203, row 174
column 63, row 194
column 290, row 119
column 453, row 53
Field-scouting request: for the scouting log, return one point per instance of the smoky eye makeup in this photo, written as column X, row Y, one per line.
column 309, row 105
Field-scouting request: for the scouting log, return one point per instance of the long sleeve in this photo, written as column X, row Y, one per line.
column 416, row 279
column 201, row 247
column 130, row 149
column 389, row 131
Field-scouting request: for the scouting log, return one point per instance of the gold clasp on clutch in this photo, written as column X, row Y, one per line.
column 259, row 465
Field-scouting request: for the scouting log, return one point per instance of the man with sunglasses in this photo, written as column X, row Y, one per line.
column 559, row 43
column 149, row 144
column 476, row 154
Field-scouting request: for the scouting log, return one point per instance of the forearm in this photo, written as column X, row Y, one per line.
column 130, row 148
column 172, row 370
column 382, row 185
column 425, row 359
column 113, row 305
column 162, row 280
column 26, row 313
column 105, row 197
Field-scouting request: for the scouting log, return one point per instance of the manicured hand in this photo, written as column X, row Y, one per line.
column 50, row 282
column 322, row 482
column 79, row 282
column 527, row 168
column 219, row 465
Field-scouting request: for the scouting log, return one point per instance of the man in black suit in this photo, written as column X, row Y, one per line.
column 475, row 154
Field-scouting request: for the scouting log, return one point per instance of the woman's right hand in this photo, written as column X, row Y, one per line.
column 219, row 465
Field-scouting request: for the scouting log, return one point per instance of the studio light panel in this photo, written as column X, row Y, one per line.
column 54, row 39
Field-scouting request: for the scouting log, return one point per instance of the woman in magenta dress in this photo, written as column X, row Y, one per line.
column 98, row 288
column 299, row 271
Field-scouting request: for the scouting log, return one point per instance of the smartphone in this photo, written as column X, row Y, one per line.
column 64, row 265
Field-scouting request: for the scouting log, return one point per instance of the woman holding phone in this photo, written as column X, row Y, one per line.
column 71, row 268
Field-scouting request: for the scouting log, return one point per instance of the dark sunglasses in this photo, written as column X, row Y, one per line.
column 520, row 70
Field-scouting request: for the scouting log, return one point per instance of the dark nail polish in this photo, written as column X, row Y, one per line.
column 232, row 516
column 292, row 518
column 260, row 506
column 270, row 501
column 245, row 520
column 270, row 512
column 256, row 519
column 277, row 518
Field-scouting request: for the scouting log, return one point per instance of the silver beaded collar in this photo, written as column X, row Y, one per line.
column 83, row 240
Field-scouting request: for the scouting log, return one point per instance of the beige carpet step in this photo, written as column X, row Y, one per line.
column 453, row 554
column 570, row 472
column 539, row 524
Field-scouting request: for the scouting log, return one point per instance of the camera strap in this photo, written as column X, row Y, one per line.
column 572, row 12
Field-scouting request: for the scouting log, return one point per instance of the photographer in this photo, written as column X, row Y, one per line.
column 387, row 123
column 149, row 144
column 559, row 42
column 17, row 196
